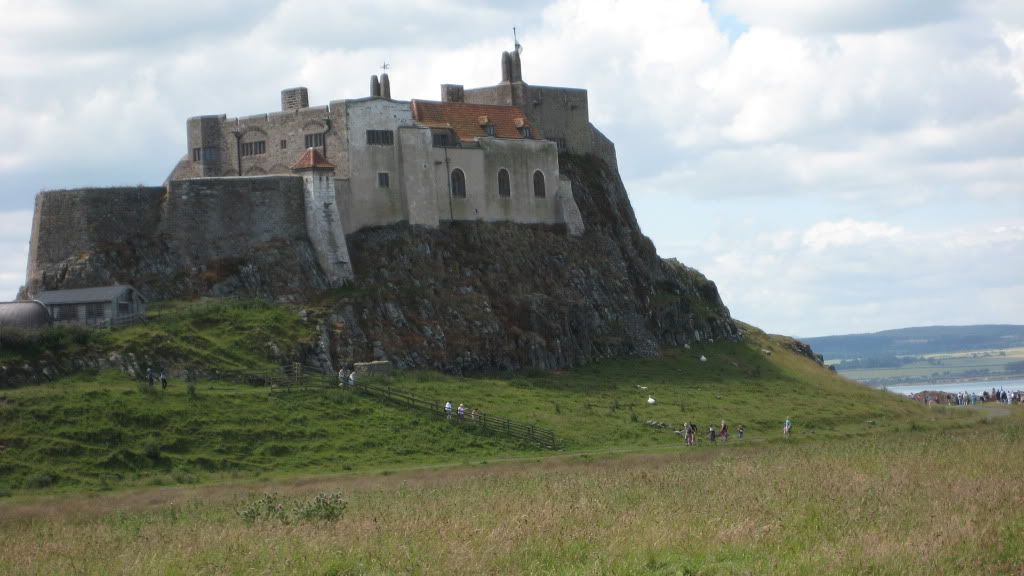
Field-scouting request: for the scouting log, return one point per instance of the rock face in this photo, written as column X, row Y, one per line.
column 473, row 297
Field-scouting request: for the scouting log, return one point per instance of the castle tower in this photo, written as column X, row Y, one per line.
column 323, row 222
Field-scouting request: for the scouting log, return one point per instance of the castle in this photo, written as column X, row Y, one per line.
column 319, row 173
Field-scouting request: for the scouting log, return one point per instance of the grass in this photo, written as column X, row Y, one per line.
column 103, row 431
column 922, row 502
column 952, row 366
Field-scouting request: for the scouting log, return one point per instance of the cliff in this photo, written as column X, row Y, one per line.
column 473, row 297
column 466, row 297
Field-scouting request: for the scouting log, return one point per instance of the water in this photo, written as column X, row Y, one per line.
column 976, row 387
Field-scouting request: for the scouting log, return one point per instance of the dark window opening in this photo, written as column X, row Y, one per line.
column 383, row 180
column 380, row 137
column 197, row 154
column 538, row 184
column 504, row 185
column 211, row 154
column 254, row 148
column 442, row 139
column 458, row 183
column 490, row 130
column 524, row 131
column 315, row 140
column 284, row 144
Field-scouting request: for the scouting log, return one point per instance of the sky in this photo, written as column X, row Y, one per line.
column 834, row 166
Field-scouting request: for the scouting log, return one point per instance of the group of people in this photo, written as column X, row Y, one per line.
column 689, row 432
column 970, row 398
column 346, row 377
column 151, row 378
column 460, row 412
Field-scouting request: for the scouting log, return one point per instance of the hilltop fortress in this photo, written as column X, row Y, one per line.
column 488, row 154
column 488, row 230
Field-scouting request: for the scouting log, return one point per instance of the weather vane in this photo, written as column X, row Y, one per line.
column 519, row 47
column 384, row 67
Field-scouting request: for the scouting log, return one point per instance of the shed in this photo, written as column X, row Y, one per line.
column 102, row 306
column 25, row 318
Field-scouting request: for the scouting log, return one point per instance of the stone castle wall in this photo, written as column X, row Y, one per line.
column 219, row 236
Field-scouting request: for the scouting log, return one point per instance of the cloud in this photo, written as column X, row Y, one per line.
column 842, row 16
column 14, row 234
column 848, row 232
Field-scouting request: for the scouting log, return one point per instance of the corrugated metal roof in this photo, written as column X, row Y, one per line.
column 83, row 295
column 24, row 315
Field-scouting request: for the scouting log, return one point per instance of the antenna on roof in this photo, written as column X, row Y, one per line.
column 519, row 47
column 384, row 67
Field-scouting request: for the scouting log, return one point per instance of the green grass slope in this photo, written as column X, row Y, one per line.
column 100, row 430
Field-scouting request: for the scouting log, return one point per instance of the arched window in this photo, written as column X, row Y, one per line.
column 504, row 186
column 538, row 184
column 458, row 183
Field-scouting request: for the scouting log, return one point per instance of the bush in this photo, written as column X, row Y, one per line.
column 151, row 449
column 36, row 481
column 272, row 508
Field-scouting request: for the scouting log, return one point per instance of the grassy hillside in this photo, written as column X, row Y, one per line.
column 100, row 430
column 922, row 502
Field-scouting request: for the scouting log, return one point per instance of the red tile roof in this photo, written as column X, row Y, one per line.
column 312, row 158
column 468, row 120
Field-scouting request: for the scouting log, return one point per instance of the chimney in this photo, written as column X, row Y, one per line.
column 453, row 93
column 294, row 98
column 374, row 86
column 385, row 86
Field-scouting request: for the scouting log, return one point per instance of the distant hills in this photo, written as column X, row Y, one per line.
column 918, row 341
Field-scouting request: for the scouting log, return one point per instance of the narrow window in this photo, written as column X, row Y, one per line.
column 489, row 130
column 284, row 144
column 538, row 184
column 458, row 183
column 315, row 140
column 254, row 148
column 383, row 180
column 442, row 140
column 211, row 154
column 504, row 186
column 197, row 154
column 380, row 137
column 524, row 131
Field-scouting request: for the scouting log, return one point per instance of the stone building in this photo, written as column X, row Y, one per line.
column 481, row 154
column 102, row 306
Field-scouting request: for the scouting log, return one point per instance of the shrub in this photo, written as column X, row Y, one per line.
column 36, row 481
column 151, row 449
column 272, row 508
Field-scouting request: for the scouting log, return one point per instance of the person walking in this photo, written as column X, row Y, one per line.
column 462, row 411
column 448, row 410
column 163, row 380
column 342, row 377
column 739, row 431
column 149, row 377
column 787, row 427
column 724, row 432
column 711, row 434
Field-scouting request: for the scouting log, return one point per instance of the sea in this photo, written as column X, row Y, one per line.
column 954, row 387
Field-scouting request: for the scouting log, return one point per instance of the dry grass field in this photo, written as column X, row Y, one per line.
column 921, row 502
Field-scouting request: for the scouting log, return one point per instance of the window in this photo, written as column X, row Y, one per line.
column 504, row 186
column 284, row 144
column 442, row 139
column 315, row 140
column 211, row 154
column 254, row 148
column 197, row 154
column 383, row 180
column 489, row 130
column 380, row 137
column 458, row 183
column 538, row 184
column 94, row 311
column 524, row 131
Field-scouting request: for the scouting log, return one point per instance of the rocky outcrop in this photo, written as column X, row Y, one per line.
column 472, row 297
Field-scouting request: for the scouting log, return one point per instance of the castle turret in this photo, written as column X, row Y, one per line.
column 294, row 98
column 323, row 221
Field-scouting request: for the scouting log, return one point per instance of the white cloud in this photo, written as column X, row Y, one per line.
column 848, row 232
